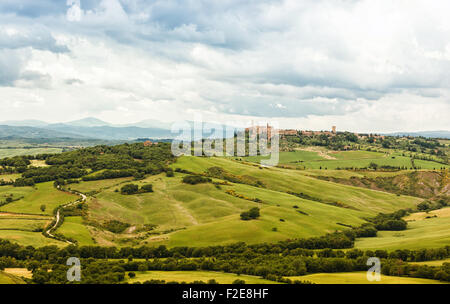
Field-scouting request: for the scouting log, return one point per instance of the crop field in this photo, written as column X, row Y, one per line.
column 432, row 263
column 73, row 228
column 19, row 272
column 9, row 177
column 28, row 238
column 21, row 224
column 6, row 278
column 418, row 216
column 38, row 163
column 359, row 278
column 97, row 185
column 426, row 233
column 22, row 151
column 191, row 276
column 42, row 194
column 330, row 160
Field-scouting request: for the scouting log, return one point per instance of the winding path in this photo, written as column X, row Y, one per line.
column 58, row 217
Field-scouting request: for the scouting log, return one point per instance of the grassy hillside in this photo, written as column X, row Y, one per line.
column 203, row 214
column 283, row 180
column 426, row 233
column 33, row 198
column 73, row 228
column 320, row 158
column 27, row 238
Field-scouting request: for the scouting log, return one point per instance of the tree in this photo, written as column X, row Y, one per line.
column 147, row 188
column 253, row 213
column 423, row 206
column 129, row 189
column 43, row 207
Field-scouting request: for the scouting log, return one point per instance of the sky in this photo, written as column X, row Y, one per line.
column 364, row 66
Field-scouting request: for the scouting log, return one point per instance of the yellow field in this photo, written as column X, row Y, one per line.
column 359, row 278
column 418, row 216
column 6, row 278
column 190, row 276
column 432, row 263
column 19, row 272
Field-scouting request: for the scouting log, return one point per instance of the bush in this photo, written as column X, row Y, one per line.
column 253, row 213
column 116, row 226
column 169, row 173
column 146, row 188
column 129, row 189
column 195, row 179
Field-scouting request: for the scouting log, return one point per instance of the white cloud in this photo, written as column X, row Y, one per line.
column 363, row 65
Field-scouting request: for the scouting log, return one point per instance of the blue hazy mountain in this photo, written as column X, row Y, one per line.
column 431, row 134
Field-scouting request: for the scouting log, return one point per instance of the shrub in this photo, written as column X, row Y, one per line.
column 195, row 179
column 146, row 188
column 129, row 189
column 253, row 213
column 116, row 226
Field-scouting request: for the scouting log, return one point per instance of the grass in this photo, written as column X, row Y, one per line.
column 42, row 194
column 359, row 278
column 27, row 238
column 419, row 216
column 22, row 224
column 90, row 186
column 432, row 263
column 190, row 276
column 22, row 151
column 289, row 157
column 283, row 180
column 38, row 163
column 73, row 228
column 346, row 159
column 6, row 278
column 9, row 177
column 427, row 233
column 321, row 218
column 19, row 272
column 203, row 215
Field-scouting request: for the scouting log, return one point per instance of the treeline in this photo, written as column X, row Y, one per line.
column 391, row 221
column 270, row 261
column 115, row 161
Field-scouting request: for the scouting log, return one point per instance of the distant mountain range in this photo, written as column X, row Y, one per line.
column 431, row 134
column 94, row 128
column 88, row 128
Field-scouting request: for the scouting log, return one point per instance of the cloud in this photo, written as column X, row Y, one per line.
column 309, row 61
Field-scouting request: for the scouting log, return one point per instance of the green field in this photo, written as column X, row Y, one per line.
column 27, row 238
column 42, row 194
column 21, row 151
column 427, row 233
column 190, row 276
column 21, row 224
column 73, row 228
column 283, row 180
column 90, row 186
column 9, row 177
column 6, row 278
column 202, row 215
column 432, row 263
column 331, row 160
column 359, row 278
